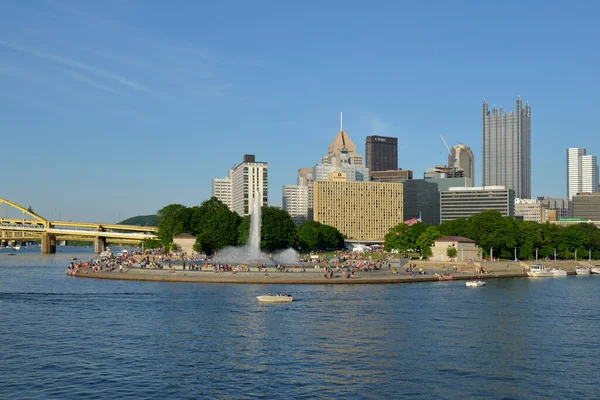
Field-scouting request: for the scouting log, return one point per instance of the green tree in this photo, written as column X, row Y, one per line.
column 277, row 230
column 309, row 236
column 397, row 238
column 172, row 220
column 451, row 252
column 426, row 240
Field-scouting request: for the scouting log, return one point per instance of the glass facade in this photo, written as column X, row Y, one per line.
column 506, row 156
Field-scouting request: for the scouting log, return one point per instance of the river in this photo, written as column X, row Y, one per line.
column 64, row 337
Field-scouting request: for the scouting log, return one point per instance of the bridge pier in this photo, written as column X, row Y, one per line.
column 48, row 243
column 99, row 244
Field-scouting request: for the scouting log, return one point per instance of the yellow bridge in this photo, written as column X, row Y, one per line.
column 34, row 227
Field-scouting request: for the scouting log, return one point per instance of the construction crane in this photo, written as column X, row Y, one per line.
column 453, row 166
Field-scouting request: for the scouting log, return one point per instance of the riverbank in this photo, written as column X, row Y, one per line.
column 310, row 276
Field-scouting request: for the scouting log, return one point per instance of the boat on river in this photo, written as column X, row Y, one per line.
column 275, row 298
column 556, row 272
column 595, row 270
column 539, row 271
column 478, row 283
column 581, row 270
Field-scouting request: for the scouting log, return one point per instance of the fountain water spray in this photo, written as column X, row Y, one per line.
column 255, row 225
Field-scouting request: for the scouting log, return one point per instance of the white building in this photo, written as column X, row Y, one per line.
column 582, row 172
column 462, row 202
column 295, row 202
column 305, row 178
column 249, row 183
column 222, row 190
column 530, row 210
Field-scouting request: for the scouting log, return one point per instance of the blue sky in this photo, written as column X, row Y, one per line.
column 116, row 108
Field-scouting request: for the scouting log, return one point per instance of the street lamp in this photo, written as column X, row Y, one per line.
column 555, row 254
column 515, row 254
column 491, row 253
column 536, row 254
column 590, row 255
column 575, row 254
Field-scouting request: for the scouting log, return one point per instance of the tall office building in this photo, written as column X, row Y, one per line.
column 562, row 207
column 360, row 210
column 295, row 202
column 506, row 155
column 462, row 202
column 305, row 178
column 381, row 153
column 222, row 190
column 249, row 180
column 582, row 172
column 461, row 159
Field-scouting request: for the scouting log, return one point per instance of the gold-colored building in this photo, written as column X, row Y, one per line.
column 360, row 210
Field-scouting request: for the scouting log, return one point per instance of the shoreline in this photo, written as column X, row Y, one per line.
column 287, row 278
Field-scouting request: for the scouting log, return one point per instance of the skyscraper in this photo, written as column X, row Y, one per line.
column 582, row 172
column 506, row 156
column 222, row 188
column 461, row 158
column 249, row 179
column 381, row 153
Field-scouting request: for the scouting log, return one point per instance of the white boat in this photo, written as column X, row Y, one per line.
column 275, row 298
column 595, row 270
column 581, row 270
column 17, row 247
column 558, row 272
column 475, row 283
column 539, row 271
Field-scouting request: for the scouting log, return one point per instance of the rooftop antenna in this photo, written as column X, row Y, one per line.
column 341, row 122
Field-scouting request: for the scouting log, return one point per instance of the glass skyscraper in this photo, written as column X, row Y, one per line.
column 506, row 155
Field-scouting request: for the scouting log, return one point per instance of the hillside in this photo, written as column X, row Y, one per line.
column 141, row 220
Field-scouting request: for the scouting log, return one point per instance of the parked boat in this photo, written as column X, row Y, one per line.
column 539, row 271
column 595, row 270
column 581, row 270
column 475, row 283
column 275, row 298
column 17, row 247
column 558, row 272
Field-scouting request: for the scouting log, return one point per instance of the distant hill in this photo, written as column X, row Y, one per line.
column 141, row 220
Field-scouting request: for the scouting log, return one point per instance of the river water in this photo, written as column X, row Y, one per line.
column 63, row 337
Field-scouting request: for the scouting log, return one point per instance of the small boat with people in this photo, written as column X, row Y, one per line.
column 557, row 272
column 275, row 298
column 539, row 271
column 582, row 270
column 478, row 283
column 595, row 269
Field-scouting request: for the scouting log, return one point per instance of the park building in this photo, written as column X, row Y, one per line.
column 249, row 184
column 466, row 249
column 462, row 202
column 530, row 210
column 222, row 190
column 586, row 206
column 362, row 211
column 295, row 202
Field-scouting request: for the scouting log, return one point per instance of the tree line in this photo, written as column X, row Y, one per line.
column 215, row 226
column 501, row 235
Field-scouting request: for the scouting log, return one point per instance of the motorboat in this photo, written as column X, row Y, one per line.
column 558, row 272
column 581, row 270
column 595, row 270
column 275, row 298
column 17, row 247
column 539, row 271
column 478, row 283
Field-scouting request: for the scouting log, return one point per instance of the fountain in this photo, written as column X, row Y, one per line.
column 250, row 253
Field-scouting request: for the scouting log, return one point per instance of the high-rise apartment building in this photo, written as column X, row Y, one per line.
column 295, row 202
column 359, row 210
column 461, row 159
column 381, row 153
column 582, row 172
column 462, row 202
column 249, row 183
column 222, row 190
column 506, row 155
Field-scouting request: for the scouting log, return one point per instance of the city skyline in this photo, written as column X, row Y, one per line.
column 150, row 101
